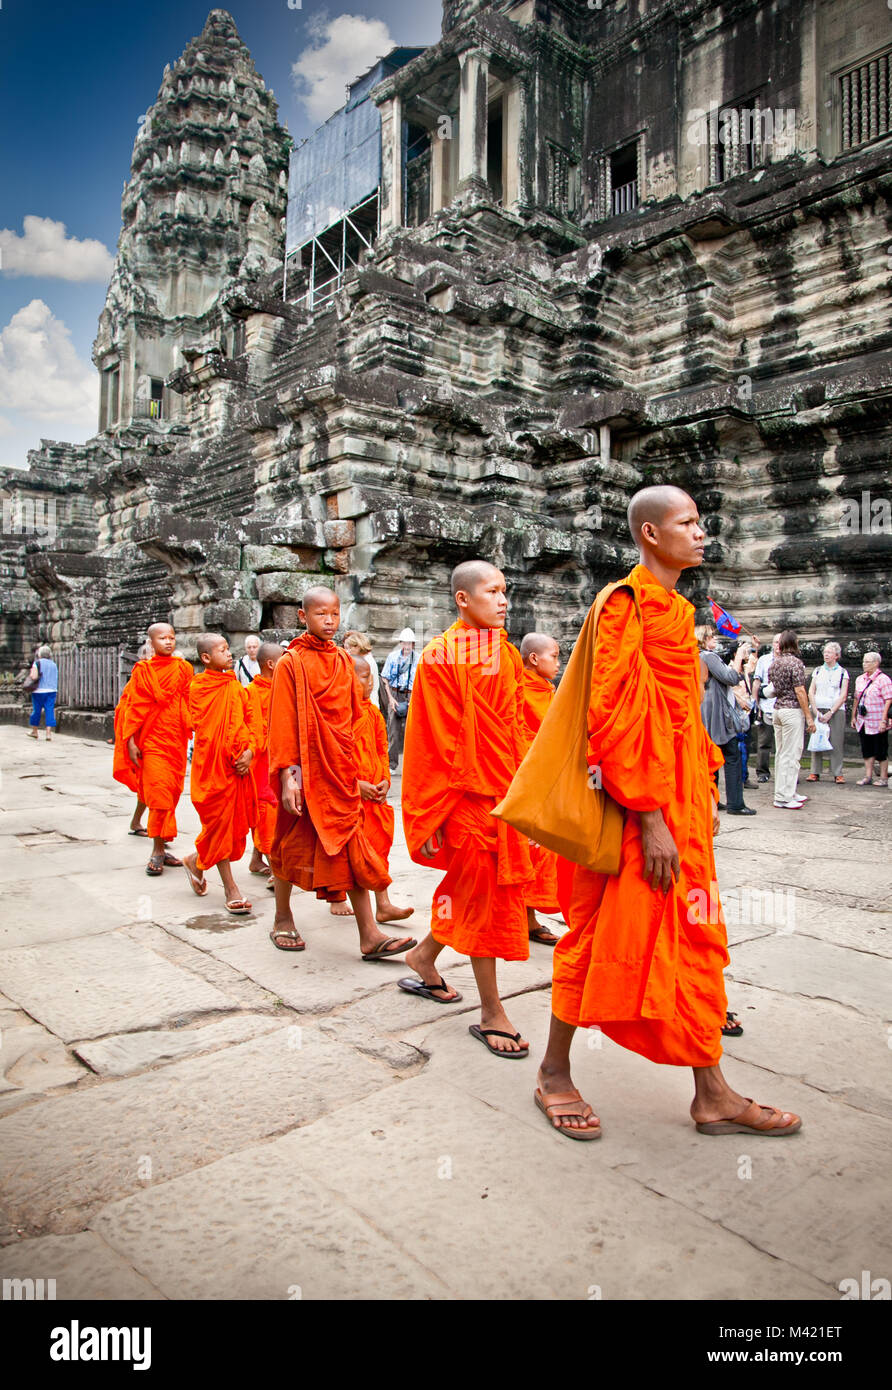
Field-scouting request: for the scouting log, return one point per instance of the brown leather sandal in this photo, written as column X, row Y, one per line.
column 567, row 1103
column 754, row 1125
column 289, row 934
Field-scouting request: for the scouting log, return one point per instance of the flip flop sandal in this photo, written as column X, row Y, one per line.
column 238, row 907
column 413, row 986
column 199, row 886
column 483, row 1033
column 397, row 945
column 155, row 868
column 544, row 936
column 271, row 886
column 740, row 1125
column 567, row 1103
column 865, row 782
column 139, row 831
column 171, row 862
column 733, row 1028
column 261, row 873
column 288, row 934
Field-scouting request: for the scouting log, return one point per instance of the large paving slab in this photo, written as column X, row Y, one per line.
column 83, row 1267
column 32, row 1060
column 490, row 1210
column 803, row 965
column 127, row 1053
column 102, row 984
column 65, row 1155
column 34, row 913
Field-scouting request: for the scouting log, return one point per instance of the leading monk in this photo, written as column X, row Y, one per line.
column 644, row 954
column 465, row 739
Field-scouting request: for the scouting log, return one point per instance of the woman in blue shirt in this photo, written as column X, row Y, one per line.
column 43, row 697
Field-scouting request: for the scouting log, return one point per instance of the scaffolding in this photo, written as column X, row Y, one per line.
column 332, row 252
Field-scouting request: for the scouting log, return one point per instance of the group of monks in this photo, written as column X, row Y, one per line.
column 300, row 759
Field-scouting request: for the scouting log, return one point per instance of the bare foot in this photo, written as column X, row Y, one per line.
column 561, row 1083
column 500, row 1021
column 427, row 969
column 389, row 912
column 258, row 865
column 341, row 909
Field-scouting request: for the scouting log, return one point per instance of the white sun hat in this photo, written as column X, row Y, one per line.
column 407, row 635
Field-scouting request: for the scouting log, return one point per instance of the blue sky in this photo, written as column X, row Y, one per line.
column 74, row 79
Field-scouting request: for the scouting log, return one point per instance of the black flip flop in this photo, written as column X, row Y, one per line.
column 733, row 1028
column 413, row 986
column 380, row 952
column 152, row 870
column 139, row 831
column 483, row 1033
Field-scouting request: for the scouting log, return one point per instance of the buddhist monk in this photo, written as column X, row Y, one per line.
column 320, row 842
column 645, row 949
column 221, row 787
column 153, row 723
column 541, row 658
column 259, row 692
column 465, row 739
column 123, row 769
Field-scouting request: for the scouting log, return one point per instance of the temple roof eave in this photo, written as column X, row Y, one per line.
column 505, row 44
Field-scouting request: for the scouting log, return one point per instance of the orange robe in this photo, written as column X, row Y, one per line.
column 316, row 702
column 154, row 710
column 465, row 740
column 373, row 765
column 538, row 694
column 258, row 693
column 646, row 966
column 225, row 802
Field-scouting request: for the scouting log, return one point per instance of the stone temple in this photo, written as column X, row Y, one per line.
column 570, row 249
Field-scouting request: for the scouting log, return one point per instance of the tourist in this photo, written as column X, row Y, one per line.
column 398, row 678
column 153, row 721
column 358, row 644
column 744, row 661
column 827, row 699
column 642, row 960
column 792, row 717
column 259, row 692
column 43, row 696
column 220, row 786
column 541, row 658
column 320, row 842
column 763, row 694
column 870, row 716
column 248, row 666
column 719, row 718
column 465, row 739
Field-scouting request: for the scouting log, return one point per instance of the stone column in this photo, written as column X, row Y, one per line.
column 391, row 163
column 472, row 120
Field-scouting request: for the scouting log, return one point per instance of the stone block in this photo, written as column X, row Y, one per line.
column 125, row 1053
column 284, row 586
column 260, row 559
column 83, row 1268
column 339, row 533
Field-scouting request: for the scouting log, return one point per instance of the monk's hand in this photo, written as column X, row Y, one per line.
column 367, row 791
column 432, row 847
column 661, row 862
column 292, row 796
column 716, row 823
column 133, row 750
column 382, row 789
column 243, row 761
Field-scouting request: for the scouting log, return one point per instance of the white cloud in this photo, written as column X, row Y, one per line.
column 46, row 250
column 41, row 375
column 343, row 48
column 6, row 426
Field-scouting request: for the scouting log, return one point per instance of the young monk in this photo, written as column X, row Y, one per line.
column 644, row 955
column 222, row 790
column 320, row 842
column 465, row 739
column 259, row 692
column 153, row 723
column 541, row 658
column 123, row 770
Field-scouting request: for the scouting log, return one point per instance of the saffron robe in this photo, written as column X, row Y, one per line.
column 316, row 702
column 154, row 710
column 373, row 765
column 645, row 965
column 226, row 802
column 258, row 693
column 538, row 694
column 465, row 739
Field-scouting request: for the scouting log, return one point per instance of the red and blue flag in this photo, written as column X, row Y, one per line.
column 725, row 624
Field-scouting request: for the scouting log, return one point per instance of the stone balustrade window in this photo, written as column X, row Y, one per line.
column 865, row 102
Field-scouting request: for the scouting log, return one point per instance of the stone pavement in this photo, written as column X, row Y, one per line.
column 186, row 1112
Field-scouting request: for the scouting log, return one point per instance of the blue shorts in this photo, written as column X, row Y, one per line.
column 43, row 703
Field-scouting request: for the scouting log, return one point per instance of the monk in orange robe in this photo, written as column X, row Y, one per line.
column 541, row 658
column 465, row 739
column 259, row 692
column 221, row 787
column 320, row 841
column 123, row 769
column 645, row 950
column 152, row 728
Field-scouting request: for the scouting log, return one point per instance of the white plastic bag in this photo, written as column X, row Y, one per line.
column 820, row 739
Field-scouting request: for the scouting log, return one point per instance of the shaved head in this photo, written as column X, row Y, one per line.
column 467, row 576
column 268, row 651
column 362, row 666
column 653, row 504
column 538, row 642
column 206, row 641
column 318, row 594
column 159, row 627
